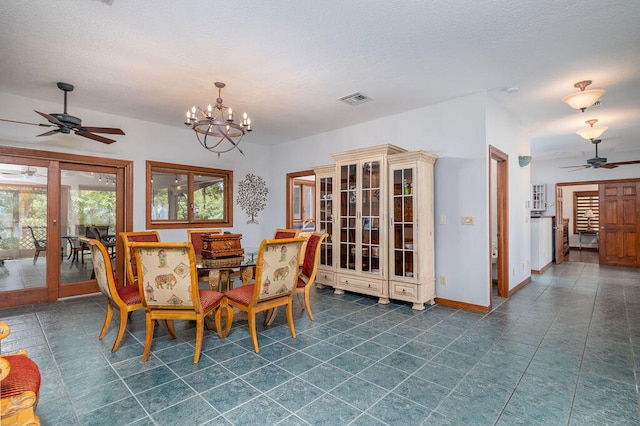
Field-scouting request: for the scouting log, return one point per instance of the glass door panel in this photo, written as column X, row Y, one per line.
column 370, row 207
column 23, row 230
column 87, row 209
column 325, row 221
column 403, row 223
column 347, row 241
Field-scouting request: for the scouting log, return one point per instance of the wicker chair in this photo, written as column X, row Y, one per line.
column 125, row 298
column 38, row 244
column 169, row 288
column 275, row 281
column 130, row 260
column 19, row 386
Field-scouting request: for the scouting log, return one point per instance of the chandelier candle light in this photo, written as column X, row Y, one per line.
column 592, row 132
column 216, row 125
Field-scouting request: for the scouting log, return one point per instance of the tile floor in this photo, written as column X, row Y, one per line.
column 561, row 351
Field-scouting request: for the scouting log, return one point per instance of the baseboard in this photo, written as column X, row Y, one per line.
column 462, row 305
column 517, row 288
column 544, row 268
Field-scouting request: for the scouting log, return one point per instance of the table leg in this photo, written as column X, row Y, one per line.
column 246, row 275
column 214, row 279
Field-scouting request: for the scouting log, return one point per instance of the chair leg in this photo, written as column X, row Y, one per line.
column 270, row 316
column 123, row 324
column 199, row 331
column 252, row 330
column 307, row 302
column 170, row 328
column 229, row 313
column 107, row 319
column 290, row 317
column 148, row 338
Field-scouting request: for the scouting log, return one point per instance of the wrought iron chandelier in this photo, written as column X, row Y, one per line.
column 216, row 125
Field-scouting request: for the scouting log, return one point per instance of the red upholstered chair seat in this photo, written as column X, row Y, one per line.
column 242, row 294
column 130, row 294
column 208, row 298
column 24, row 375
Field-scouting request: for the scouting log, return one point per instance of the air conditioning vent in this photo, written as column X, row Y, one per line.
column 355, row 99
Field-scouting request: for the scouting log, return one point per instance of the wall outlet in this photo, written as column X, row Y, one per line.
column 467, row 220
column 443, row 220
column 443, row 280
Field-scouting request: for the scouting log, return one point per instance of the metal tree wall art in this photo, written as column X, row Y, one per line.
column 252, row 196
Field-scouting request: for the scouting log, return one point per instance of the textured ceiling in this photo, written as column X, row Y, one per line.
column 287, row 62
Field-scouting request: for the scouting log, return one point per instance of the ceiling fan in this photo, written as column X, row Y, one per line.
column 600, row 162
column 67, row 123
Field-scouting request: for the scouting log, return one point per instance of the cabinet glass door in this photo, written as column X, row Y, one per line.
column 347, row 194
column 370, row 207
column 402, row 239
column 325, row 220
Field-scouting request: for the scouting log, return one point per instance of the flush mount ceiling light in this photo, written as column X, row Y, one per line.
column 592, row 132
column 216, row 125
column 584, row 98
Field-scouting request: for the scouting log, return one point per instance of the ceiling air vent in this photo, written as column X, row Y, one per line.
column 355, row 99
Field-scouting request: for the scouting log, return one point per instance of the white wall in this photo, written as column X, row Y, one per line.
column 143, row 141
column 458, row 131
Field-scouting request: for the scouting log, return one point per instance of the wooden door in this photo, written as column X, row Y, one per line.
column 619, row 224
column 559, row 230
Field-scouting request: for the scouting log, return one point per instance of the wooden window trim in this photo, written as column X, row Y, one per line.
column 189, row 171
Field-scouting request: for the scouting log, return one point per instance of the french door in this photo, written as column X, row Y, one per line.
column 47, row 201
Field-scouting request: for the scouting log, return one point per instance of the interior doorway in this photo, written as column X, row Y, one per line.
column 499, row 221
column 301, row 199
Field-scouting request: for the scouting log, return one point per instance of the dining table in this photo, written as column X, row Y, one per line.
column 221, row 271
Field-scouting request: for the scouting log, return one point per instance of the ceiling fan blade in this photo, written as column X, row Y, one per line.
column 50, row 132
column 51, row 119
column 575, row 167
column 95, row 137
column 622, row 163
column 24, row 122
column 109, row 130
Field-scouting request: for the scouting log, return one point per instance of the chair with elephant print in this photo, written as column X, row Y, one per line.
column 168, row 282
column 275, row 281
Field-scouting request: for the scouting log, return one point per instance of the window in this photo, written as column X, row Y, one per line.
column 583, row 201
column 181, row 196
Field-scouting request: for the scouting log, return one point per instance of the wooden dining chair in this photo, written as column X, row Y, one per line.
column 309, row 268
column 285, row 233
column 130, row 260
column 125, row 298
column 169, row 291
column 307, row 276
column 275, row 281
column 194, row 236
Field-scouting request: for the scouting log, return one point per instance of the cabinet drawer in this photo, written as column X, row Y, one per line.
column 404, row 291
column 325, row 277
column 357, row 285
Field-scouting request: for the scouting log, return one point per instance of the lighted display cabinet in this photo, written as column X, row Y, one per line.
column 325, row 223
column 362, row 226
column 381, row 243
column 411, row 242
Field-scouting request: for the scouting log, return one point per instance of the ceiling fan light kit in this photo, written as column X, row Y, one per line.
column 592, row 132
column 216, row 125
column 67, row 122
column 584, row 98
